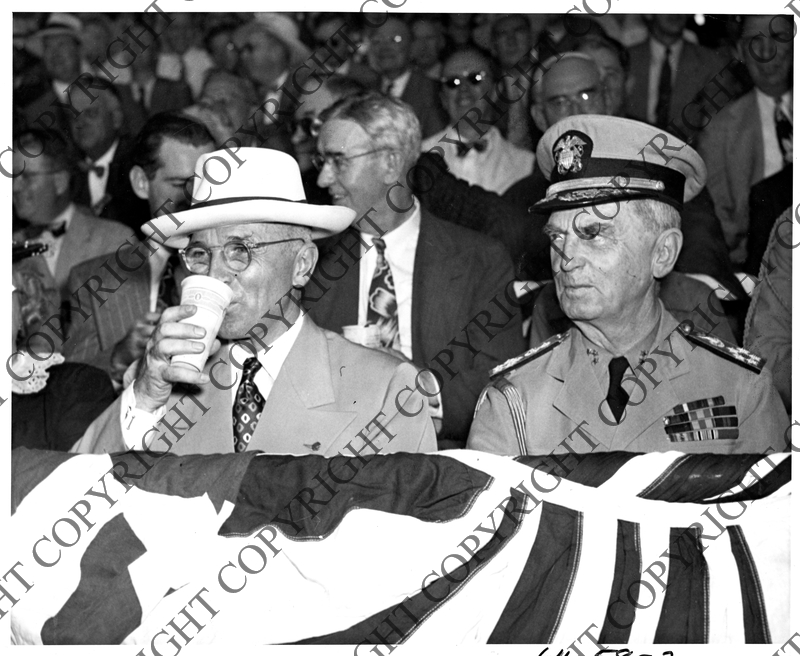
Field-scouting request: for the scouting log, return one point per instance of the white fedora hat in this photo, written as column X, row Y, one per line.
column 252, row 185
column 57, row 24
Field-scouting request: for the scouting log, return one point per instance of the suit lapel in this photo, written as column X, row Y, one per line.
column 77, row 240
column 300, row 414
column 126, row 306
column 436, row 268
column 338, row 305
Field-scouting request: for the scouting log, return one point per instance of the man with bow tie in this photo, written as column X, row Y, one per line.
column 98, row 129
column 42, row 169
column 479, row 156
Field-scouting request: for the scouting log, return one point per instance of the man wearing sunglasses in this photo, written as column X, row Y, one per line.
column 482, row 158
column 279, row 383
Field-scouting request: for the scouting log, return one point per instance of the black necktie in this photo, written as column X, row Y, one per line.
column 248, row 406
column 617, row 397
column 36, row 231
column 168, row 291
column 462, row 149
column 783, row 129
column 89, row 167
column 664, row 93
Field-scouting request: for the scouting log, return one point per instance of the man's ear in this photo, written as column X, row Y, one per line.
column 665, row 252
column 393, row 166
column 139, row 182
column 537, row 113
column 304, row 263
column 61, row 181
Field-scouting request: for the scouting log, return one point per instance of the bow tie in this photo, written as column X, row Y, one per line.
column 88, row 167
column 462, row 149
column 36, row 231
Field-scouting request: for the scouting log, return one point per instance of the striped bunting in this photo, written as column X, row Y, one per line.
column 452, row 548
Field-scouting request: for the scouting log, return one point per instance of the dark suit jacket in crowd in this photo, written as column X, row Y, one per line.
column 121, row 203
column 168, row 96
column 92, row 340
column 57, row 416
column 457, row 273
column 768, row 200
column 422, row 94
column 696, row 66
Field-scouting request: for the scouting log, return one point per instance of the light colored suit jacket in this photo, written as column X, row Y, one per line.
column 327, row 392
column 92, row 340
column 87, row 237
column 733, row 149
column 559, row 391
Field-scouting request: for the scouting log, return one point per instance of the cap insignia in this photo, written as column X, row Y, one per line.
column 569, row 151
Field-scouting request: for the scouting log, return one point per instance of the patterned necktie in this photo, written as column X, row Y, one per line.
column 388, row 88
column 617, row 397
column 784, row 131
column 247, row 407
column 664, row 93
column 382, row 302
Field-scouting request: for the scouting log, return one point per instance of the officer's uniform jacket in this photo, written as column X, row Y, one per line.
column 691, row 393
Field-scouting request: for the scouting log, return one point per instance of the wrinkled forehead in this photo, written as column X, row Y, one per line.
column 253, row 231
column 570, row 76
column 465, row 62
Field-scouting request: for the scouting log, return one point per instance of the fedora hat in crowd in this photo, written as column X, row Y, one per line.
column 57, row 24
column 253, row 185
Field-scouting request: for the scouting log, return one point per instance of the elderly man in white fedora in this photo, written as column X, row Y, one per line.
column 277, row 382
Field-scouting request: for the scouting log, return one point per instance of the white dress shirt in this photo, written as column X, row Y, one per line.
column 657, row 53
column 496, row 168
column 399, row 84
column 136, row 423
column 401, row 248
column 54, row 243
column 773, row 158
column 97, row 183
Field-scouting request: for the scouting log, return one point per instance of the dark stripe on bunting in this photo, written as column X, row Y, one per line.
column 29, row 467
column 627, row 572
column 754, row 612
column 590, row 469
column 394, row 625
column 534, row 610
column 218, row 475
column 307, row 498
column 684, row 615
column 779, row 476
column 694, row 478
column 104, row 608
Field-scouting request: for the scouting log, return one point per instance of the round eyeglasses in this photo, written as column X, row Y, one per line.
column 237, row 255
column 455, row 81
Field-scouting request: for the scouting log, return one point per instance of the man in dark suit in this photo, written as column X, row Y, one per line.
column 97, row 130
column 115, row 333
column 667, row 72
column 431, row 288
column 390, row 57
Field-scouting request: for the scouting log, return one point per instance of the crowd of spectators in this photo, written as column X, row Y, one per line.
column 111, row 112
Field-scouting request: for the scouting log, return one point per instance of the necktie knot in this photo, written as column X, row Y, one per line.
column 250, row 369
column 617, row 397
column 380, row 246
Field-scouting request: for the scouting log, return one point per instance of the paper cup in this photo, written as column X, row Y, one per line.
column 369, row 335
column 212, row 297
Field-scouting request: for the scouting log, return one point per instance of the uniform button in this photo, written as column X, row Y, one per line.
column 686, row 327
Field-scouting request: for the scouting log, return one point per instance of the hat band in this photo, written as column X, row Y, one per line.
column 240, row 199
column 636, row 184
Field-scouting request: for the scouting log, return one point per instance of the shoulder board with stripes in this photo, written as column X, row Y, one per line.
column 529, row 355
column 728, row 351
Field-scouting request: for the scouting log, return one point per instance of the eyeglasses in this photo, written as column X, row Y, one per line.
column 474, row 78
column 338, row 160
column 310, row 125
column 582, row 102
column 386, row 40
column 236, row 254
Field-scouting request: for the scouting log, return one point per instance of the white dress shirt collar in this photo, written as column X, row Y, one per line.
column 64, row 217
column 106, row 157
column 399, row 83
column 273, row 359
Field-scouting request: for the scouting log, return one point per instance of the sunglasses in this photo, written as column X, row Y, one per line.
column 455, row 81
column 310, row 125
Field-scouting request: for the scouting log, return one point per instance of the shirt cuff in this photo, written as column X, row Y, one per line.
column 137, row 423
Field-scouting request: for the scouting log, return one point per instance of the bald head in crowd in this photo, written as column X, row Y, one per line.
column 570, row 86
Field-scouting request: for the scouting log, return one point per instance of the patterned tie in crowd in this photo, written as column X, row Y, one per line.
column 784, row 131
column 382, row 306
